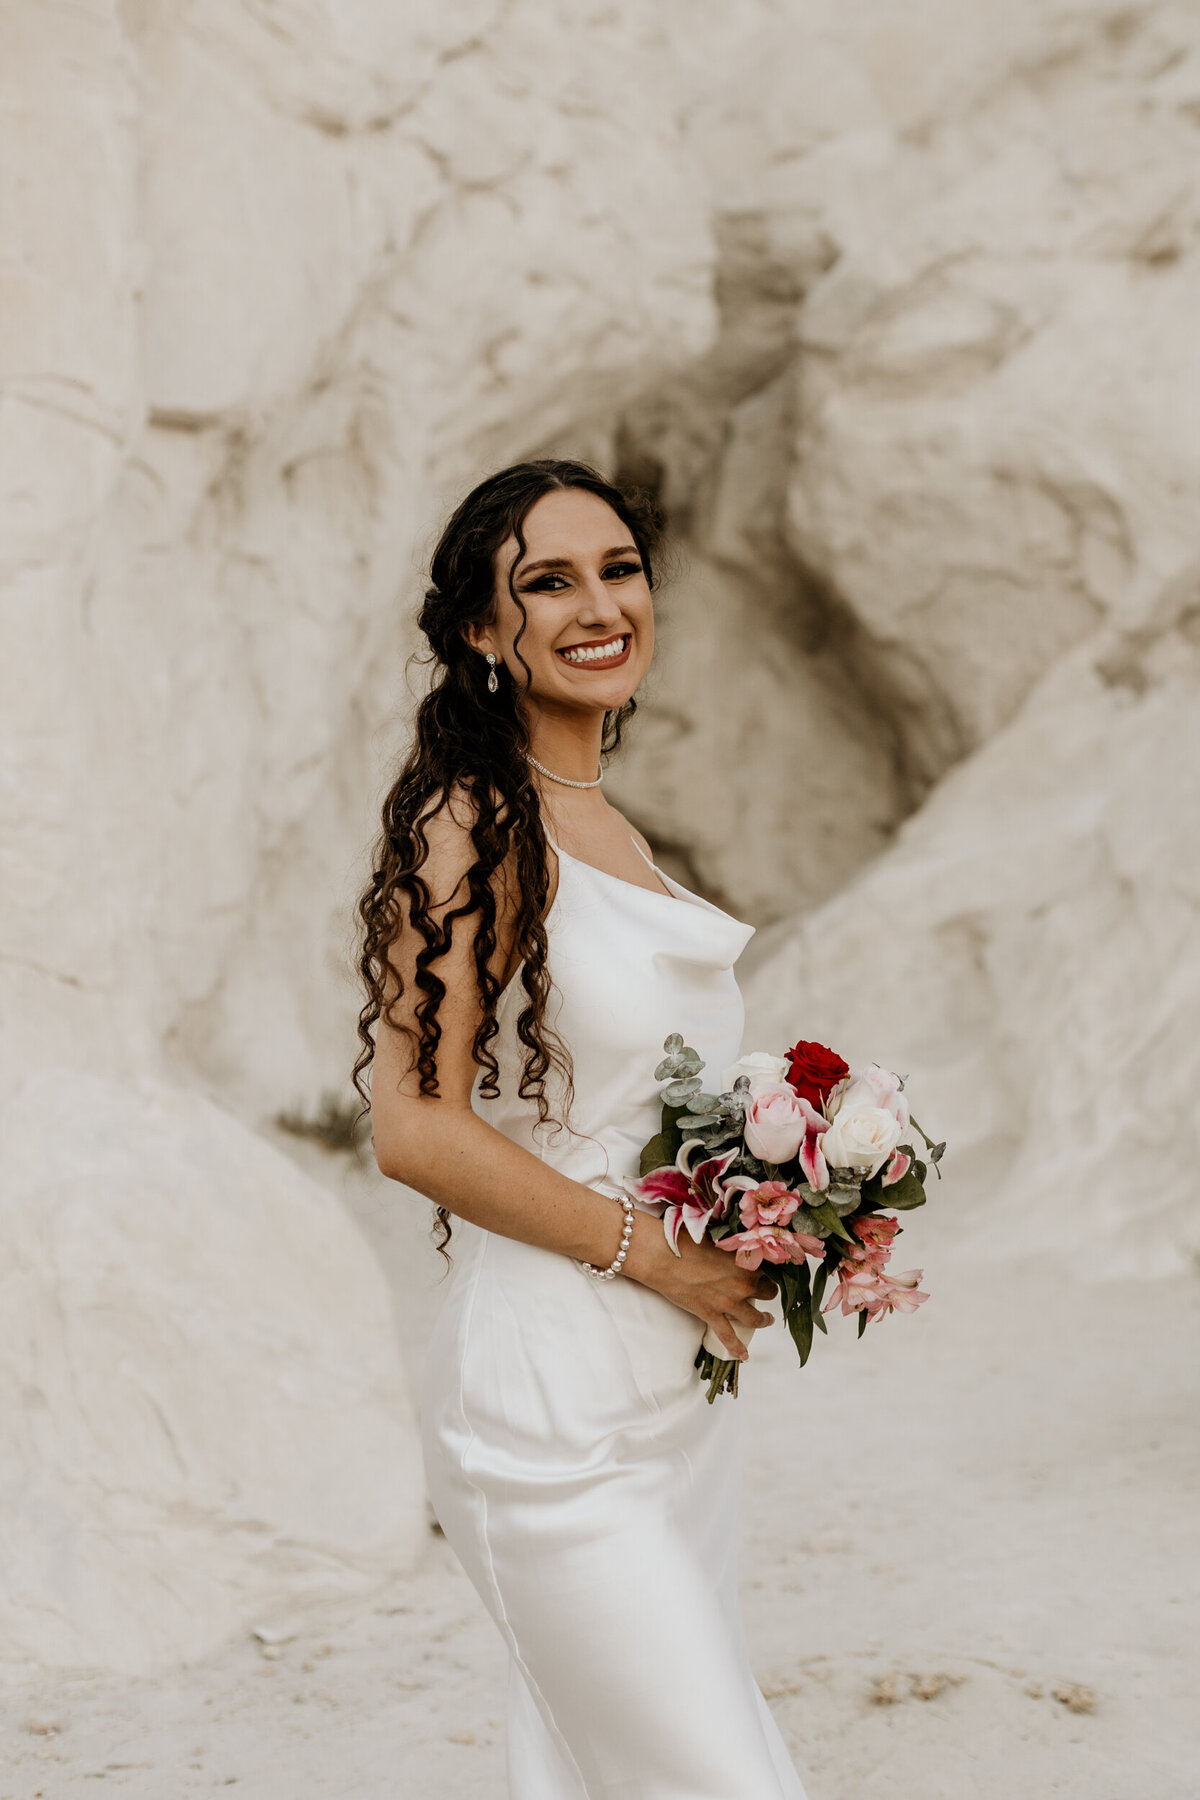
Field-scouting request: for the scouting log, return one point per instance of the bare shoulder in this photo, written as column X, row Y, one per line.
column 447, row 825
column 638, row 839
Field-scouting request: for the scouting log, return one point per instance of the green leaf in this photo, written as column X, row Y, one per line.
column 904, row 1194
column 682, row 1091
column 818, row 1294
column 658, row 1154
column 862, row 1321
column 936, row 1151
column 800, row 1324
column 784, row 1277
column 797, row 1306
column 674, row 1042
column 828, row 1223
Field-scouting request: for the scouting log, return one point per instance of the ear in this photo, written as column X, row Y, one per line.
column 478, row 637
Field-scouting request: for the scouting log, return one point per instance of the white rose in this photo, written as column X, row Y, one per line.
column 763, row 1069
column 874, row 1086
column 861, row 1137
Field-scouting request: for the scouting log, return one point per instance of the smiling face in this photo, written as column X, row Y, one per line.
column 589, row 634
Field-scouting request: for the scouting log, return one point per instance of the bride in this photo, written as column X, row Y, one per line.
column 524, row 959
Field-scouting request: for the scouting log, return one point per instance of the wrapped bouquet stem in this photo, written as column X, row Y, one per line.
column 799, row 1164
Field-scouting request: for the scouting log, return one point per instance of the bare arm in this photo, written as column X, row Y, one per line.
column 442, row 1148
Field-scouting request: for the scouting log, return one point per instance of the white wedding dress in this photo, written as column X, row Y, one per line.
column 573, row 1461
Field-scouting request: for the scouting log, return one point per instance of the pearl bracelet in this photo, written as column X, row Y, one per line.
column 614, row 1267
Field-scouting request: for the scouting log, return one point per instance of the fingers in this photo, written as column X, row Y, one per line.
column 721, row 1328
column 750, row 1315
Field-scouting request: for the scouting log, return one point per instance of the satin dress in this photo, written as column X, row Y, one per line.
column 573, row 1462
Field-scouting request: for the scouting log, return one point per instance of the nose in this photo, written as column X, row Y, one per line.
column 598, row 604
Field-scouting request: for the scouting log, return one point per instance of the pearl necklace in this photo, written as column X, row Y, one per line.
column 565, row 779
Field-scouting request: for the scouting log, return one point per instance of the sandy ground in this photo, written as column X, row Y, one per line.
column 970, row 1572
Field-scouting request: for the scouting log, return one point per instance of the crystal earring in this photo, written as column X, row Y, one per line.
column 493, row 679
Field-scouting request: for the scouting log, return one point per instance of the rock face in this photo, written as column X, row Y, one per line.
column 896, row 313
column 1027, row 952
column 202, row 1413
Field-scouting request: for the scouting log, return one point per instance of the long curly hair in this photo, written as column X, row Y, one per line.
column 473, row 742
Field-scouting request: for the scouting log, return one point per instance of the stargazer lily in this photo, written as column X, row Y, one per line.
column 811, row 1156
column 689, row 1194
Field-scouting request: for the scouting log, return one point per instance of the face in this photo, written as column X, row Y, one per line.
column 590, row 631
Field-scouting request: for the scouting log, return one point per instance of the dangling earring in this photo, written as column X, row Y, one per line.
column 493, row 678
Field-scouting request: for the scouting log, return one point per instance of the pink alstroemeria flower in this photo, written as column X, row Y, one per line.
column 770, row 1243
column 864, row 1288
column 687, row 1196
column 764, row 1202
column 896, row 1168
column 903, row 1294
column 877, row 1231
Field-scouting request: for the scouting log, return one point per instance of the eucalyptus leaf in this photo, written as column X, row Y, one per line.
column 844, row 1195
column 936, row 1151
column 674, row 1042
column 679, row 1092
column 806, row 1220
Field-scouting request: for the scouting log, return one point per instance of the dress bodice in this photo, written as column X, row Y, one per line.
column 629, row 965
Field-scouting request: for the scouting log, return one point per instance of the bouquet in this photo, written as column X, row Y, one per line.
column 800, row 1163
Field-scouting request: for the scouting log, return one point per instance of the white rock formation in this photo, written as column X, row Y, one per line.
column 1027, row 954
column 896, row 306
column 201, row 1413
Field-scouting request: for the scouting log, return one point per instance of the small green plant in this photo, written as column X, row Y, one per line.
column 338, row 1124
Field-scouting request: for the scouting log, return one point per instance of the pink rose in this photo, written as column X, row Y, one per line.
column 776, row 1123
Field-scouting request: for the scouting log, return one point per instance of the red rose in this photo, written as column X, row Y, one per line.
column 813, row 1071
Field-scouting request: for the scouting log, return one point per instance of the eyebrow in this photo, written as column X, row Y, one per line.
column 565, row 562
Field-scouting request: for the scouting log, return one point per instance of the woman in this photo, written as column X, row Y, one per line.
column 524, row 959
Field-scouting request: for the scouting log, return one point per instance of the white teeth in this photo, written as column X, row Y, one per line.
column 602, row 653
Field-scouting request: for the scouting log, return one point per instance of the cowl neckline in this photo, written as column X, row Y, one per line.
column 696, row 923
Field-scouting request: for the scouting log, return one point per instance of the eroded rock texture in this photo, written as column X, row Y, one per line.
column 202, row 1408
column 895, row 309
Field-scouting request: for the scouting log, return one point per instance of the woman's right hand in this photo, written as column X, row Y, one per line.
column 702, row 1280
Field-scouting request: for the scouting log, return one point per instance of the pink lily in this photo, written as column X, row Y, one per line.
column 812, row 1160
column 687, row 1196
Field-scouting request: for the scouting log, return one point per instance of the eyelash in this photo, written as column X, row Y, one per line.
column 539, row 584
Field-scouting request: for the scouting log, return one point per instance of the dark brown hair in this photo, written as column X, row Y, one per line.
column 472, row 742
